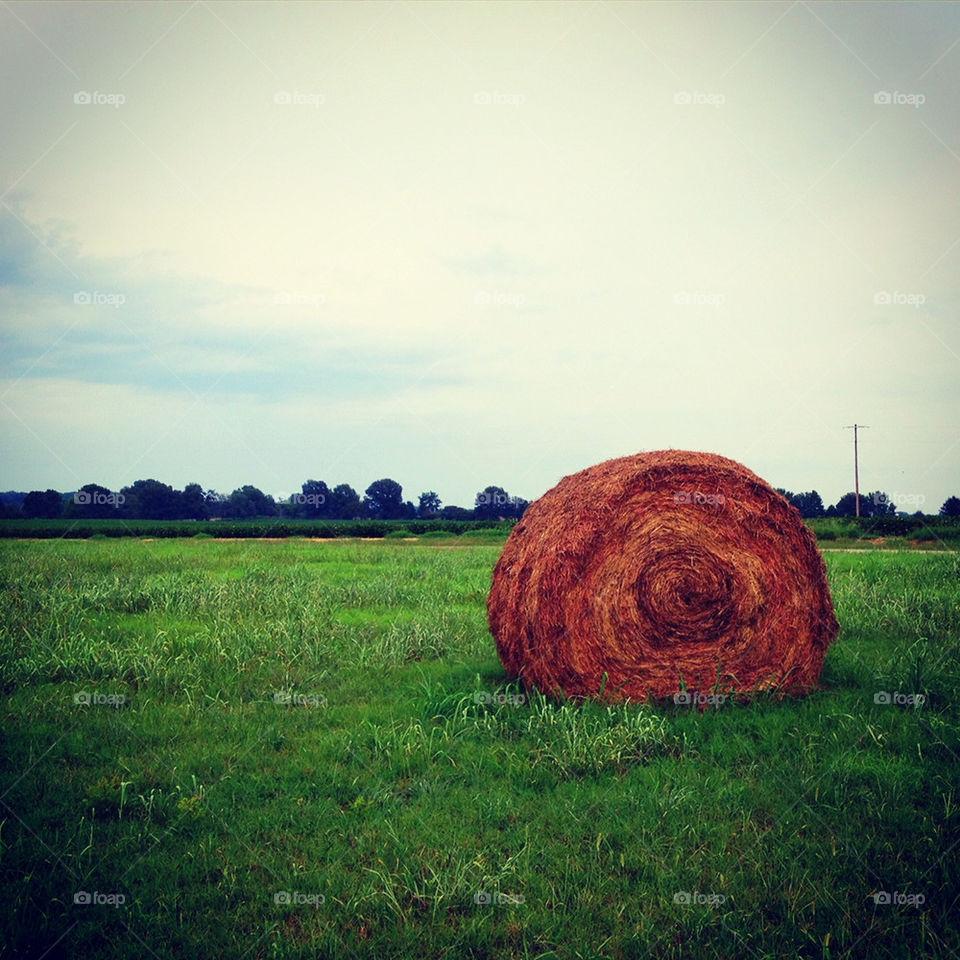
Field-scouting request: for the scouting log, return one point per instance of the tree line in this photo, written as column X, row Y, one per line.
column 382, row 500
column 153, row 500
column 874, row 504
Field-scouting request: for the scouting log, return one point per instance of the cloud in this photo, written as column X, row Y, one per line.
column 492, row 262
column 109, row 321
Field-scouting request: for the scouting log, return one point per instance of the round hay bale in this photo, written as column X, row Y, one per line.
column 647, row 575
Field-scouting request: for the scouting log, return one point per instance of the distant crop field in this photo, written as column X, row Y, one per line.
column 301, row 749
column 64, row 528
column 887, row 533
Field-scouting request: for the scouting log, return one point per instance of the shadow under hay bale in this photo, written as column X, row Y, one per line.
column 660, row 572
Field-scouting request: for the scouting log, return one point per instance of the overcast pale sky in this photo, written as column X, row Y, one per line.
column 459, row 244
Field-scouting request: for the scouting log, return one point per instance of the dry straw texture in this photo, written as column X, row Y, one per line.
column 663, row 571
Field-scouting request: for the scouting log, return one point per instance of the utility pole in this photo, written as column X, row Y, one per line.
column 856, row 467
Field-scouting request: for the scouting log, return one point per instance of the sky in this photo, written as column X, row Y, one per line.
column 462, row 244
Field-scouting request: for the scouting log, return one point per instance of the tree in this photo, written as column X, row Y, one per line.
column 491, row 502
column 879, row 504
column 216, row 504
column 809, row 504
column 453, row 512
column 249, row 501
column 951, row 507
column 876, row 504
column 518, row 506
column 384, row 499
column 151, row 500
column 313, row 500
column 193, row 503
column 345, row 502
column 93, row 502
column 846, row 505
column 42, row 503
column 429, row 504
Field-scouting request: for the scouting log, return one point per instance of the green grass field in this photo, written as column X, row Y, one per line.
column 298, row 749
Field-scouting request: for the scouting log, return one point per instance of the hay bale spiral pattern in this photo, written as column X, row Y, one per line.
column 662, row 571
